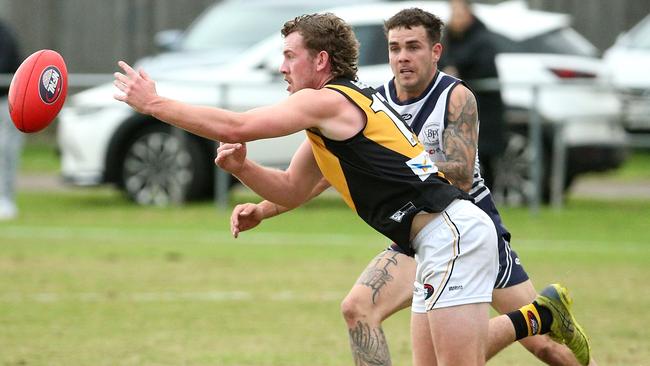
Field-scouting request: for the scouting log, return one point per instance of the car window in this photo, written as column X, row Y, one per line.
column 373, row 49
column 639, row 36
column 234, row 26
column 563, row 41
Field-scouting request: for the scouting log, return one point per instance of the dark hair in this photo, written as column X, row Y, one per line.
column 414, row 17
column 329, row 33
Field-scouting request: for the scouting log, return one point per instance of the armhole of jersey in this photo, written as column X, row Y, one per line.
column 451, row 90
column 478, row 112
column 365, row 116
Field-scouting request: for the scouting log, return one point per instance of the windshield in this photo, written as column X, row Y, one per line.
column 639, row 36
column 239, row 25
column 564, row 41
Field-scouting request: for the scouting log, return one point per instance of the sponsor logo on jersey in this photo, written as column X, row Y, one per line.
column 399, row 214
column 407, row 116
column 50, row 87
column 455, row 287
column 422, row 165
column 431, row 136
column 532, row 322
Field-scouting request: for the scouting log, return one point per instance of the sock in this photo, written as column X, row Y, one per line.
column 531, row 320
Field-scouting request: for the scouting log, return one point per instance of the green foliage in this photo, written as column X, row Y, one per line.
column 87, row 278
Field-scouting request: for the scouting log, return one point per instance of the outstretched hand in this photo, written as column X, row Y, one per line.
column 245, row 217
column 138, row 89
column 231, row 157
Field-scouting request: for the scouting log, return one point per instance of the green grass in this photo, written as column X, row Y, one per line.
column 635, row 167
column 39, row 155
column 87, row 278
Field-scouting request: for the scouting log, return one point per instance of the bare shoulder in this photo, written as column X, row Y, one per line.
column 332, row 113
column 461, row 101
column 322, row 103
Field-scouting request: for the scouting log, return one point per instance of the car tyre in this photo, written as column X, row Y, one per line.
column 513, row 185
column 162, row 166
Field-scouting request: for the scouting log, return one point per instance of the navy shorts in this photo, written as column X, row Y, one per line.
column 511, row 272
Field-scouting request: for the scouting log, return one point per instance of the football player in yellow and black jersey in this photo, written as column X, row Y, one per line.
column 358, row 145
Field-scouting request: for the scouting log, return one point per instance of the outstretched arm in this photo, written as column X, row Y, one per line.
column 460, row 138
column 324, row 109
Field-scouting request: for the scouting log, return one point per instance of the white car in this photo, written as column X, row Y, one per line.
column 627, row 66
column 103, row 141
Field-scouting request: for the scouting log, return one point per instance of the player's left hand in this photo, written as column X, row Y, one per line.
column 138, row 89
column 231, row 157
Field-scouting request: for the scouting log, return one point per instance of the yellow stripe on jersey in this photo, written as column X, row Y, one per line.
column 328, row 162
column 382, row 129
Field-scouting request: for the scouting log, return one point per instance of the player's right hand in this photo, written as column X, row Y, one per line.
column 245, row 217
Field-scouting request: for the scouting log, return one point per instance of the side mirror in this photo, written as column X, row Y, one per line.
column 168, row 40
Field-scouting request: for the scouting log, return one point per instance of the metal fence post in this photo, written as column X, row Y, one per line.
column 221, row 178
column 179, row 194
column 535, row 138
column 558, row 170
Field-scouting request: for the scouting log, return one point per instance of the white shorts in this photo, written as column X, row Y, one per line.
column 457, row 259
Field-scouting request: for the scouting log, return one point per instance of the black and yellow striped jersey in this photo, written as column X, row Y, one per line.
column 383, row 172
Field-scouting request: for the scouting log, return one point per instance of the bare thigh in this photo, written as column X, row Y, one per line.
column 505, row 300
column 460, row 334
column 424, row 353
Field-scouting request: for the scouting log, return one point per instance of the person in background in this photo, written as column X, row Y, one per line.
column 470, row 55
column 11, row 139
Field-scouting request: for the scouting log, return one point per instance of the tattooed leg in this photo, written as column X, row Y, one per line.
column 377, row 274
column 384, row 287
column 369, row 346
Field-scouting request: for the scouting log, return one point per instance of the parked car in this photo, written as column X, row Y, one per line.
column 627, row 63
column 105, row 142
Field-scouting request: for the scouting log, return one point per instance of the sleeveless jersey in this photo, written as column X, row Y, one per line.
column 383, row 173
column 427, row 116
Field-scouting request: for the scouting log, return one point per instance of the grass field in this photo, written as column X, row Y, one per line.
column 87, row 278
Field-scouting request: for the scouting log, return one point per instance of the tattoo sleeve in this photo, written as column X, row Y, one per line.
column 460, row 139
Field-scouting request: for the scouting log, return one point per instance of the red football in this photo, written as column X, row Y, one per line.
column 37, row 90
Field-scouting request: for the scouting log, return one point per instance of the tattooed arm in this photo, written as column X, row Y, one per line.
column 460, row 138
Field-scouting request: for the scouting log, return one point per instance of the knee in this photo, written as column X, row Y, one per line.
column 355, row 308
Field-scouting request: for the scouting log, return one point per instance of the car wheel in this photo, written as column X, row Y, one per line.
column 161, row 167
column 513, row 185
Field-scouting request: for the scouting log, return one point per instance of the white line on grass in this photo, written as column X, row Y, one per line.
column 173, row 235
column 166, row 297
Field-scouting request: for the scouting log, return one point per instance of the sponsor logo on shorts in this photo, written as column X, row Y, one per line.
column 50, row 87
column 532, row 322
column 455, row 287
column 429, row 290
